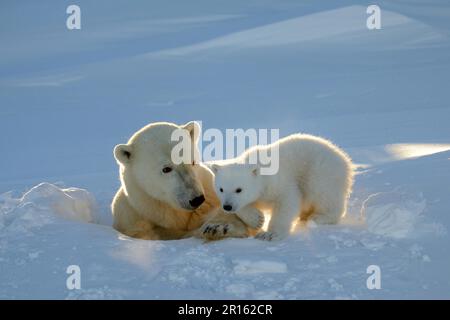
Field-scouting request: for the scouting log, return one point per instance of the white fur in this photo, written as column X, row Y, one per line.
column 314, row 179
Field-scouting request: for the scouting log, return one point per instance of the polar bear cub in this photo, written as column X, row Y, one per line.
column 314, row 180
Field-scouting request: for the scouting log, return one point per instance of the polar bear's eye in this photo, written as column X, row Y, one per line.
column 221, row 190
column 166, row 169
column 238, row 190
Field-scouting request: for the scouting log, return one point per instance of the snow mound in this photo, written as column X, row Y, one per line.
column 42, row 203
column 345, row 25
column 393, row 214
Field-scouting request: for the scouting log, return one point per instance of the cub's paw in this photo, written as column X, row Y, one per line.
column 254, row 220
column 260, row 221
column 268, row 236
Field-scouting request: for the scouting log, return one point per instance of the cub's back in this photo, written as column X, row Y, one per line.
column 300, row 154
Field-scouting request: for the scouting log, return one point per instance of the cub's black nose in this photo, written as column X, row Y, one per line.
column 197, row 201
column 227, row 207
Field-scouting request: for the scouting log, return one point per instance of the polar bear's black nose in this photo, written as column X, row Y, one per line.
column 227, row 207
column 197, row 201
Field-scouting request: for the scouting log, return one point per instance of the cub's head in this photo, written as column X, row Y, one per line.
column 151, row 161
column 236, row 185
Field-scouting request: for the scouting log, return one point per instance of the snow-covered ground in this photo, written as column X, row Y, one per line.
column 67, row 97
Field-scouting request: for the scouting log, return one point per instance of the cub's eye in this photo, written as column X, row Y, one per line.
column 221, row 190
column 166, row 169
column 238, row 190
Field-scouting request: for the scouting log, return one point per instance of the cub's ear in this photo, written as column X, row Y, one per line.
column 215, row 167
column 254, row 168
column 193, row 127
column 123, row 153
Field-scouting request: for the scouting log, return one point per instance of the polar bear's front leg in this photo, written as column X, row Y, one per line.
column 284, row 213
column 252, row 217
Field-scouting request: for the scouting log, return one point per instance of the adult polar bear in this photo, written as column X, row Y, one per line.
column 161, row 200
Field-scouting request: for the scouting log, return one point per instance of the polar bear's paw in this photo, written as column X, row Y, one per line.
column 216, row 231
column 268, row 236
column 222, row 226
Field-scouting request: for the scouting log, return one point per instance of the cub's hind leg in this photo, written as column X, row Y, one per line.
column 330, row 212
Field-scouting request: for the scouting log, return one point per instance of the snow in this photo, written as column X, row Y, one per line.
column 67, row 97
column 260, row 266
column 346, row 25
column 40, row 205
column 391, row 215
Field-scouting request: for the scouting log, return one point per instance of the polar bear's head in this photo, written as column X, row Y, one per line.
column 236, row 185
column 146, row 163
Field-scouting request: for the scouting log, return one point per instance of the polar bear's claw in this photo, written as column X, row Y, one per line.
column 218, row 231
column 268, row 236
column 215, row 231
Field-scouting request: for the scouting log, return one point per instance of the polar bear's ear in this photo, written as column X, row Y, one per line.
column 194, row 130
column 123, row 153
